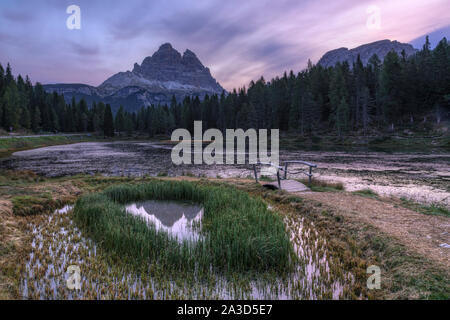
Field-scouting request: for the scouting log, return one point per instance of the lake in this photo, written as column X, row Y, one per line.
column 423, row 177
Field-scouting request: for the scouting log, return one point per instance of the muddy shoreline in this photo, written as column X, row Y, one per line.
column 422, row 177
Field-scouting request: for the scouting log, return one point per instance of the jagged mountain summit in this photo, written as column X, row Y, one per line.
column 165, row 74
column 366, row 51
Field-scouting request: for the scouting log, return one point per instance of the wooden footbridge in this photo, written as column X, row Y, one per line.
column 282, row 182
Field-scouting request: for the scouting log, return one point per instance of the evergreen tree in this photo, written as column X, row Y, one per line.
column 25, row 118
column 342, row 116
column 120, row 120
column 11, row 111
column 9, row 78
column 390, row 87
column 394, row 92
column 108, row 124
column 338, row 97
column 36, row 119
column 128, row 123
column 2, row 80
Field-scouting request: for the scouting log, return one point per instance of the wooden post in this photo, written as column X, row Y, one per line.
column 285, row 170
column 256, row 175
column 278, row 177
column 310, row 175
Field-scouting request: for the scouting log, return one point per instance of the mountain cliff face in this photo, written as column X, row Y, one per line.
column 366, row 51
column 165, row 74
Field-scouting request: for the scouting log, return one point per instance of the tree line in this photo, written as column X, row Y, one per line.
column 24, row 106
column 381, row 95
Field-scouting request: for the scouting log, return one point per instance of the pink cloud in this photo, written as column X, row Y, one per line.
column 239, row 40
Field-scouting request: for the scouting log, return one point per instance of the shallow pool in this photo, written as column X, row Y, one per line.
column 179, row 219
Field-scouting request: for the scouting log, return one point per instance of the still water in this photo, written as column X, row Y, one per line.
column 419, row 176
column 179, row 219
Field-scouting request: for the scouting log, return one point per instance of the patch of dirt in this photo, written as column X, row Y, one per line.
column 422, row 233
column 65, row 191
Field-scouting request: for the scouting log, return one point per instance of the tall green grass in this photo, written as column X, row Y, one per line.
column 238, row 232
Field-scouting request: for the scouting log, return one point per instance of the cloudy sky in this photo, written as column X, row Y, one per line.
column 238, row 40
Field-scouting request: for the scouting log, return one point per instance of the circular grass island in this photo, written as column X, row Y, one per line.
column 239, row 234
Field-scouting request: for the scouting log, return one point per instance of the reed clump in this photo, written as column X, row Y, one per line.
column 239, row 233
column 32, row 205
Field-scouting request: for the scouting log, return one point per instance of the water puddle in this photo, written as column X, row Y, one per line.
column 179, row 219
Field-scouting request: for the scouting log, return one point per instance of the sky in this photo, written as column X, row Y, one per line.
column 238, row 40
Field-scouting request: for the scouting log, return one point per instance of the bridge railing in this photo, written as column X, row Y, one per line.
column 268, row 164
column 309, row 173
column 285, row 169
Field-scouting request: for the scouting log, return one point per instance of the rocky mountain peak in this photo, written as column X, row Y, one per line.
column 164, row 74
column 169, row 68
column 365, row 51
column 165, row 47
column 166, row 54
column 191, row 61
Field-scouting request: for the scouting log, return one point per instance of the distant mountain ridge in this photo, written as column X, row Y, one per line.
column 365, row 51
column 165, row 74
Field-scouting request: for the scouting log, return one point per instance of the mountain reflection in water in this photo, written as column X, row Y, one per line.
column 176, row 218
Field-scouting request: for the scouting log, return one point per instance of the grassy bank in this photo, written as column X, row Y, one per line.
column 239, row 232
column 434, row 209
column 11, row 145
column 351, row 243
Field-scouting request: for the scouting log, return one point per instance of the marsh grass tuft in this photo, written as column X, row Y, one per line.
column 366, row 193
column 434, row 209
column 323, row 186
column 31, row 205
column 239, row 232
